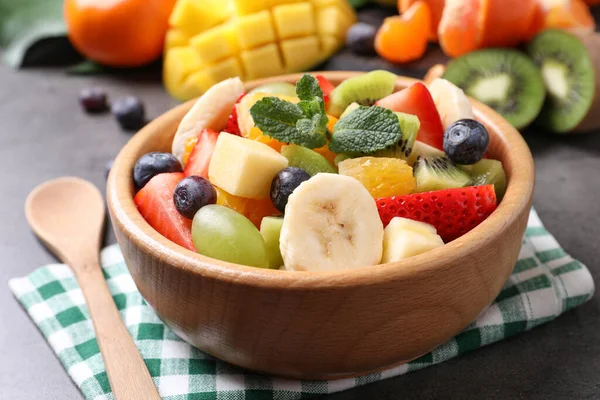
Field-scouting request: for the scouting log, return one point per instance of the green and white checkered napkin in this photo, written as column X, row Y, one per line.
column 545, row 283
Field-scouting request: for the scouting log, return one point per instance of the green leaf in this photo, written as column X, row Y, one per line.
column 312, row 131
column 307, row 88
column 365, row 130
column 24, row 23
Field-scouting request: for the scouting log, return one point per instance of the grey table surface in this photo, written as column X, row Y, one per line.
column 45, row 135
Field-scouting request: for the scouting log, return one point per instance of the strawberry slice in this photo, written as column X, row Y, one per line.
column 453, row 212
column 417, row 100
column 201, row 155
column 232, row 123
column 155, row 202
column 326, row 86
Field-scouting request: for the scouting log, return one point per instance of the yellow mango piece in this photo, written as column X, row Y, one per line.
column 300, row 54
column 193, row 16
column 294, row 20
column 245, row 7
column 215, row 44
column 333, row 21
column 255, row 30
column 179, row 63
column 331, row 44
column 264, row 61
column 176, row 38
column 210, row 75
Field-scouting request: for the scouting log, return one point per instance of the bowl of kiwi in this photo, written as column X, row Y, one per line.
column 383, row 305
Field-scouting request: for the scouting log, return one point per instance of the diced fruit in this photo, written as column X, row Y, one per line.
column 259, row 136
column 331, row 223
column 254, row 210
column 363, row 89
column 222, row 233
column 451, row 102
column 466, row 141
column 404, row 238
column 284, row 183
column 270, row 229
column 93, row 100
column 190, row 143
column 326, row 86
column 151, row 164
column 489, row 172
column 437, row 173
column 409, row 125
column 155, row 203
column 202, row 154
column 244, row 167
column 360, row 38
column 307, row 159
column 382, row 177
column 232, row 123
column 422, row 149
column 452, row 212
column 417, row 100
column 130, row 113
column 193, row 193
column 404, row 38
column 276, row 89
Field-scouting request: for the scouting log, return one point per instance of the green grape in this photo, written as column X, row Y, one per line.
column 270, row 229
column 275, row 88
column 222, row 233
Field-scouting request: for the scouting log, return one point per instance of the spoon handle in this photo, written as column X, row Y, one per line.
column 127, row 373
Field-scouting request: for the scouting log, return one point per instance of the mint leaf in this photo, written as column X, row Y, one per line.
column 276, row 118
column 365, row 130
column 312, row 131
column 307, row 88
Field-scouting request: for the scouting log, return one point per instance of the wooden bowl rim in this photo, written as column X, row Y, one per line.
column 517, row 198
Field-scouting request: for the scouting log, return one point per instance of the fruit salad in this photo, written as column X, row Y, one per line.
column 315, row 177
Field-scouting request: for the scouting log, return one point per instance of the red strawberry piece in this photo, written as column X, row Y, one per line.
column 232, row 123
column 326, row 86
column 417, row 100
column 155, row 203
column 453, row 212
column 201, row 154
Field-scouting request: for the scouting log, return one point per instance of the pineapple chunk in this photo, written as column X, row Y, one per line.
column 215, row 44
column 404, row 238
column 255, row 30
column 244, row 167
column 194, row 16
column 264, row 61
column 300, row 54
column 294, row 20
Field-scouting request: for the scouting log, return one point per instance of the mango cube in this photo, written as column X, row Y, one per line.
column 244, row 167
column 245, row 7
column 215, row 44
column 209, row 75
column 299, row 54
column 193, row 16
column 333, row 21
column 264, row 61
column 255, row 30
column 179, row 63
column 331, row 44
column 294, row 20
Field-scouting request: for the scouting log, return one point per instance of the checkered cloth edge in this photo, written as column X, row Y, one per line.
column 545, row 283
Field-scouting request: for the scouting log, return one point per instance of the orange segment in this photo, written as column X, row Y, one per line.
column 324, row 151
column 436, row 7
column 462, row 26
column 403, row 38
column 188, row 147
column 383, row 177
column 507, row 21
column 254, row 210
column 259, row 136
column 569, row 14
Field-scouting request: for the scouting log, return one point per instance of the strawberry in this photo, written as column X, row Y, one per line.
column 155, row 202
column 326, row 86
column 232, row 123
column 201, row 155
column 417, row 100
column 453, row 212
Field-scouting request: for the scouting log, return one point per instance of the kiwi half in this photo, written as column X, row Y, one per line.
column 488, row 172
column 506, row 80
column 438, row 173
column 568, row 73
column 363, row 89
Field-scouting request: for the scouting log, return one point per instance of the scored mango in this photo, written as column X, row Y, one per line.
column 211, row 40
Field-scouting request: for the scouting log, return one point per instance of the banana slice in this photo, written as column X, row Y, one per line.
column 210, row 111
column 451, row 101
column 331, row 223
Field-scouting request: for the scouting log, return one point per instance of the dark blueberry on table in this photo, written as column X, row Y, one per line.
column 284, row 183
column 108, row 167
column 360, row 38
column 151, row 164
column 93, row 100
column 193, row 193
column 130, row 113
column 466, row 141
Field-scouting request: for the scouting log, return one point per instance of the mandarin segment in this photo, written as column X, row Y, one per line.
column 254, row 210
column 436, row 7
column 383, row 177
column 461, row 27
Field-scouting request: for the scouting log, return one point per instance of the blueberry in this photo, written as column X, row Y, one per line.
column 466, row 141
column 93, row 100
column 151, row 164
column 129, row 112
column 360, row 38
column 284, row 183
column 193, row 193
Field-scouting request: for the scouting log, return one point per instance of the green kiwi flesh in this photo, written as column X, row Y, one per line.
column 568, row 73
column 363, row 89
column 422, row 149
column 409, row 126
column 488, row 172
column 307, row 159
column 438, row 173
column 506, row 80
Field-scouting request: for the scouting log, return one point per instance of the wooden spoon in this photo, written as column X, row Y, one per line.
column 68, row 214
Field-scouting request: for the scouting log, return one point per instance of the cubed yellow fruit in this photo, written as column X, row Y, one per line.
column 294, row 20
column 299, row 54
column 264, row 61
column 244, row 167
column 176, row 38
column 179, row 63
column 333, row 21
column 215, row 44
column 207, row 76
column 245, row 7
column 193, row 16
column 331, row 44
column 404, row 238
column 381, row 176
column 254, row 30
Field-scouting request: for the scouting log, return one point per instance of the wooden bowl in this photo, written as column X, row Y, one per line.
column 322, row 325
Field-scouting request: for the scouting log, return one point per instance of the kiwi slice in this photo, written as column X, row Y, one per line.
column 363, row 89
column 568, row 72
column 307, row 159
column 488, row 172
column 422, row 149
column 438, row 173
column 506, row 80
column 351, row 107
column 409, row 126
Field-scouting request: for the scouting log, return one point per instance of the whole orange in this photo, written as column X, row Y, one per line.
column 118, row 33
